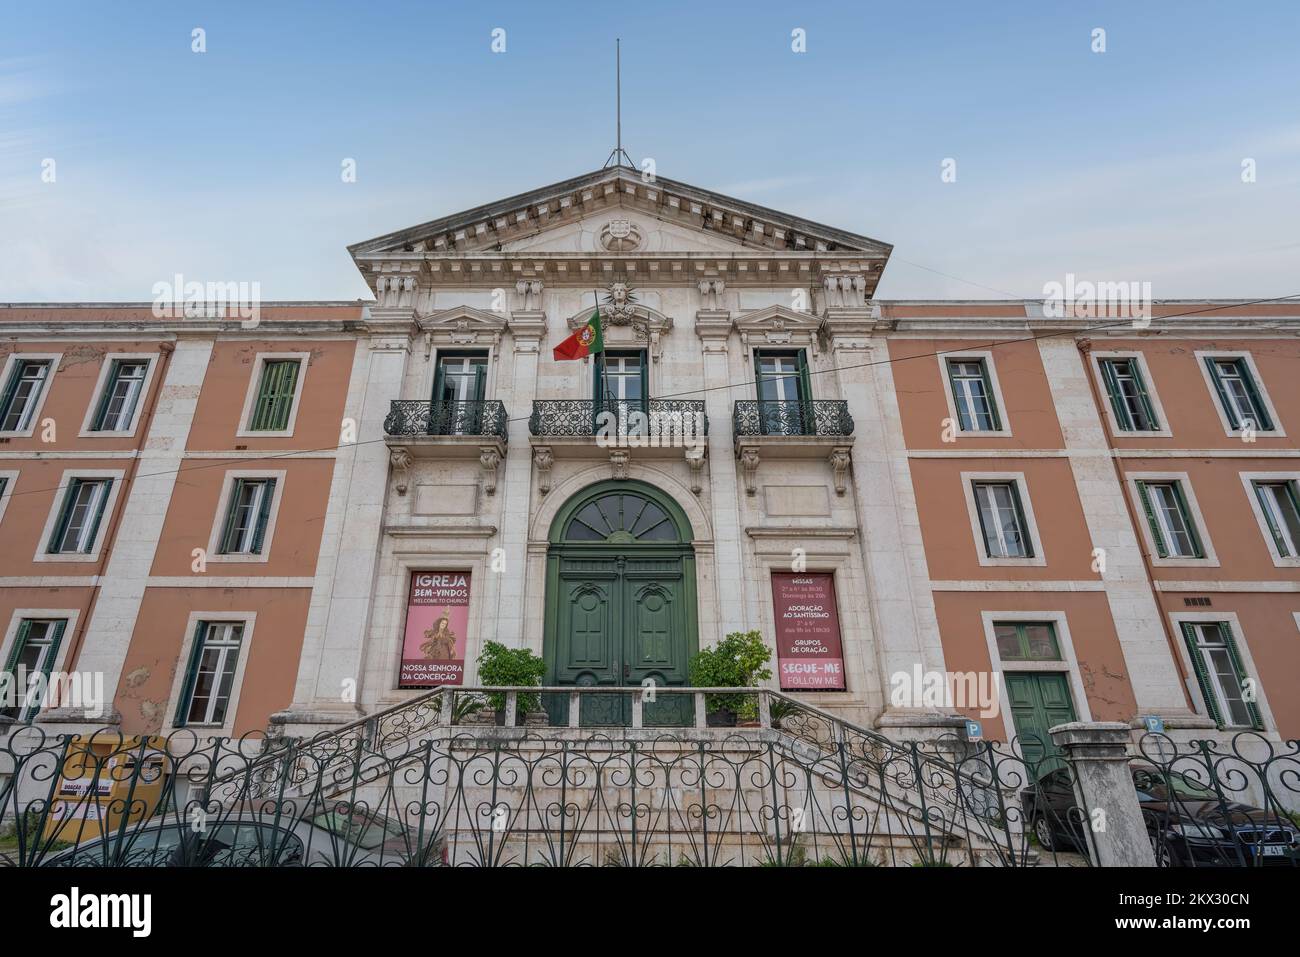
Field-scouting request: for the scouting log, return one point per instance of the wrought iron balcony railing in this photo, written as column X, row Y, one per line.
column 810, row 417
column 662, row 418
column 417, row 417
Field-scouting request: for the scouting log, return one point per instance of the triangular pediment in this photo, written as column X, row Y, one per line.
column 596, row 213
column 465, row 318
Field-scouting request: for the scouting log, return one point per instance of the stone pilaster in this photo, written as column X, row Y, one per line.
column 1103, row 789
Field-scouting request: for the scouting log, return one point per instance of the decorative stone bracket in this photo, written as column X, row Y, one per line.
column 543, row 459
column 490, row 459
column 749, row 464
column 839, row 460
column 619, row 459
column 695, row 459
column 400, row 460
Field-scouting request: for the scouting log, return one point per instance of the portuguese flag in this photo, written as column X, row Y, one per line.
column 583, row 342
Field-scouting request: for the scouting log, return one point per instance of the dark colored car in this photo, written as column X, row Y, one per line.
column 1189, row 825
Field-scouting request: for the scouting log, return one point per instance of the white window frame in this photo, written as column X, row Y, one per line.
column 1039, row 558
column 1177, row 618
column 1157, row 407
column 11, row 477
column 1211, row 559
column 249, row 620
column 54, row 359
column 1248, row 480
column 11, row 637
column 223, row 506
column 1202, row 354
column 1004, row 416
column 96, row 397
column 250, row 396
column 42, row 544
column 1067, row 665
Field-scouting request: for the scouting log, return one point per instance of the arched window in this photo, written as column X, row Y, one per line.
column 621, row 517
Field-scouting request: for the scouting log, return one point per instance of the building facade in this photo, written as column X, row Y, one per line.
column 294, row 520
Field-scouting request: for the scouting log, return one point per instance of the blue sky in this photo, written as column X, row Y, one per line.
column 225, row 165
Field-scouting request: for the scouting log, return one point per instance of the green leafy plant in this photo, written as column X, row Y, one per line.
column 511, row 668
column 738, row 661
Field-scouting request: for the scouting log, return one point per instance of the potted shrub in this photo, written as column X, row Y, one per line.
column 510, row 667
column 738, row 661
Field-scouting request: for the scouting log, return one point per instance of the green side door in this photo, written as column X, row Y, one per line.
column 1038, row 701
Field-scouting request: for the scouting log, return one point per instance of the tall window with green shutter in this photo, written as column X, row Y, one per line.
column 275, row 392
column 116, row 409
column 1279, row 502
column 1239, row 394
column 22, row 394
column 247, row 517
column 972, row 395
column 1173, row 531
column 1128, row 396
column 210, row 674
column 35, row 649
column 1225, row 686
column 80, row 515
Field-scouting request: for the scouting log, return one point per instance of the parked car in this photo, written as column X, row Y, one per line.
column 1189, row 826
column 329, row 838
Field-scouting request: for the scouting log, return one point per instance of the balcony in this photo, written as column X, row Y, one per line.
column 816, row 417
column 815, row 428
column 420, row 418
column 669, row 420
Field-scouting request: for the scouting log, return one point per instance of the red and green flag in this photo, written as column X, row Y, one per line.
column 582, row 343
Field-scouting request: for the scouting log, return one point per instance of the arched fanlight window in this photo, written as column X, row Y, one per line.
column 621, row 517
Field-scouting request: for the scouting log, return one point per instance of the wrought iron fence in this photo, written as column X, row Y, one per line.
column 666, row 419
column 459, row 777
column 811, row 417
column 417, row 417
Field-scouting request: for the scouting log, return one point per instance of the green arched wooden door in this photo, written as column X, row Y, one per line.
column 620, row 601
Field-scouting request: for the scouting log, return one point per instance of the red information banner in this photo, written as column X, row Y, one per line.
column 437, row 618
column 809, row 653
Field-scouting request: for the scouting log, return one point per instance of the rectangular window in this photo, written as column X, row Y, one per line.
column 1172, row 528
column 1027, row 641
column 79, row 518
column 247, row 515
column 972, row 394
column 1002, row 520
column 275, row 394
column 210, row 677
column 1128, row 396
column 1280, row 503
column 22, row 394
column 121, row 396
column 1238, row 394
column 36, row 647
column 783, row 391
column 460, row 378
column 1220, row 674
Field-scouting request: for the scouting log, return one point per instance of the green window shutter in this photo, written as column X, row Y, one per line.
column 1162, row 550
column 1261, row 496
column 24, row 627
column 65, row 514
column 99, row 514
column 956, row 398
column 11, row 387
column 1228, row 639
column 1264, row 424
column 1192, row 532
column 1231, row 415
column 995, row 416
column 275, row 395
column 232, row 509
column 480, row 382
column 191, row 675
column 438, row 377
column 805, row 377
column 263, row 516
column 1202, row 675
column 1136, row 369
column 110, row 381
column 1122, row 418
column 979, row 514
column 1021, row 521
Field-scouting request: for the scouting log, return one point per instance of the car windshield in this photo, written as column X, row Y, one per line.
column 364, row 830
column 1164, row 786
